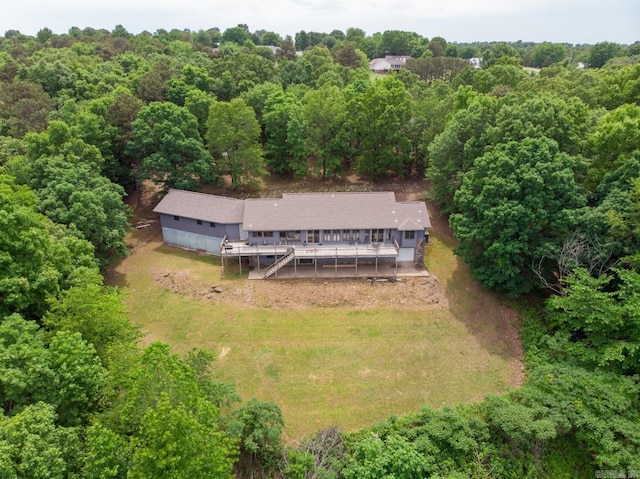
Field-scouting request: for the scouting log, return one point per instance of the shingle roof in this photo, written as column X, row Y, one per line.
column 300, row 211
column 188, row 204
column 309, row 211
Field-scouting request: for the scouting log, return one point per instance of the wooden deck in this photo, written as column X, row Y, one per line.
column 321, row 261
column 372, row 250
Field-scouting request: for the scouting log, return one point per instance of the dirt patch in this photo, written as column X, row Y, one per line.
column 414, row 293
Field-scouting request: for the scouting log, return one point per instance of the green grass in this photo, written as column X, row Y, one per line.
column 327, row 366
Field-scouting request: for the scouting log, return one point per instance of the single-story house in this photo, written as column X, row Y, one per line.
column 307, row 228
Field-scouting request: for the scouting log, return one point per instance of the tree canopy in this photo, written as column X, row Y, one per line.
column 538, row 169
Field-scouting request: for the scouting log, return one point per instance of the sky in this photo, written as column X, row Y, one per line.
column 560, row 21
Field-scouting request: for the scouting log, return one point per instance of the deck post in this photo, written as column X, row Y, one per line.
column 336, row 271
column 356, row 261
column 395, row 272
column 315, row 261
column 377, row 251
column 222, row 261
column 240, row 262
column 295, row 267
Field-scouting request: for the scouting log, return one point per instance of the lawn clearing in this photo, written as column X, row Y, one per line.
column 328, row 352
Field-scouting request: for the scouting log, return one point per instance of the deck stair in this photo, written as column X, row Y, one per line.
column 286, row 259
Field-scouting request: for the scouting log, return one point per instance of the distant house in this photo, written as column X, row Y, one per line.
column 309, row 228
column 475, row 62
column 389, row 63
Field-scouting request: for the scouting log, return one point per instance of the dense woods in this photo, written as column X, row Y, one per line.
column 539, row 171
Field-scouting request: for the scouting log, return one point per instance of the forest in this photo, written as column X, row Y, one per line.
column 534, row 157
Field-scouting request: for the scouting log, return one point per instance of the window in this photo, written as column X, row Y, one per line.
column 268, row 234
column 176, row 218
column 199, row 222
column 377, row 235
column 335, row 235
column 212, row 224
column 263, row 234
column 349, row 235
column 291, row 235
column 313, row 236
column 326, row 236
column 409, row 235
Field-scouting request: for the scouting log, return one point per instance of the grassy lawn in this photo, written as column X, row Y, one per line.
column 327, row 365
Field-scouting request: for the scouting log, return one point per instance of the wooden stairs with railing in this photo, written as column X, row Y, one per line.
column 286, row 259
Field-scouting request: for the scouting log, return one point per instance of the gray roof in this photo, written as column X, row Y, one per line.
column 310, row 211
column 188, row 204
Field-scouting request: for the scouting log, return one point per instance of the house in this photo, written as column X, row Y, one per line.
column 476, row 62
column 389, row 63
column 301, row 228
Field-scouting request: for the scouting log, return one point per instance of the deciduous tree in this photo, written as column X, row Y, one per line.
column 167, row 145
column 517, row 203
column 378, row 118
column 233, row 136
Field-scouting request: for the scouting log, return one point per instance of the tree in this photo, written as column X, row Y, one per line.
column 436, row 68
column 469, row 52
column 324, row 111
column 379, row 117
column 287, row 50
column 62, row 371
column 175, row 443
column 616, row 135
column 490, row 79
column 25, row 107
column 301, row 40
column 320, row 59
column 153, row 85
column 597, row 410
column 166, row 144
column 62, row 171
column 397, row 42
column 500, row 53
column 544, row 115
column 285, row 128
column 394, row 457
column 258, row 426
column 33, row 446
column 349, row 56
column 237, row 35
column 98, row 314
column 37, row 259
column 516, row 204
column 546, row 54
column 238, row 72
column 233, row 136
column 121, row 113
column 438, row 46
column 107, row 455
column 453, row 151
column 602, row 52
column 596, row 320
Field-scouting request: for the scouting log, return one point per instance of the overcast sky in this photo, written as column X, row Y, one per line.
column 570, row 21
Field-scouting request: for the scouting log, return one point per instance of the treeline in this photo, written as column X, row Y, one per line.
column 538, row 172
